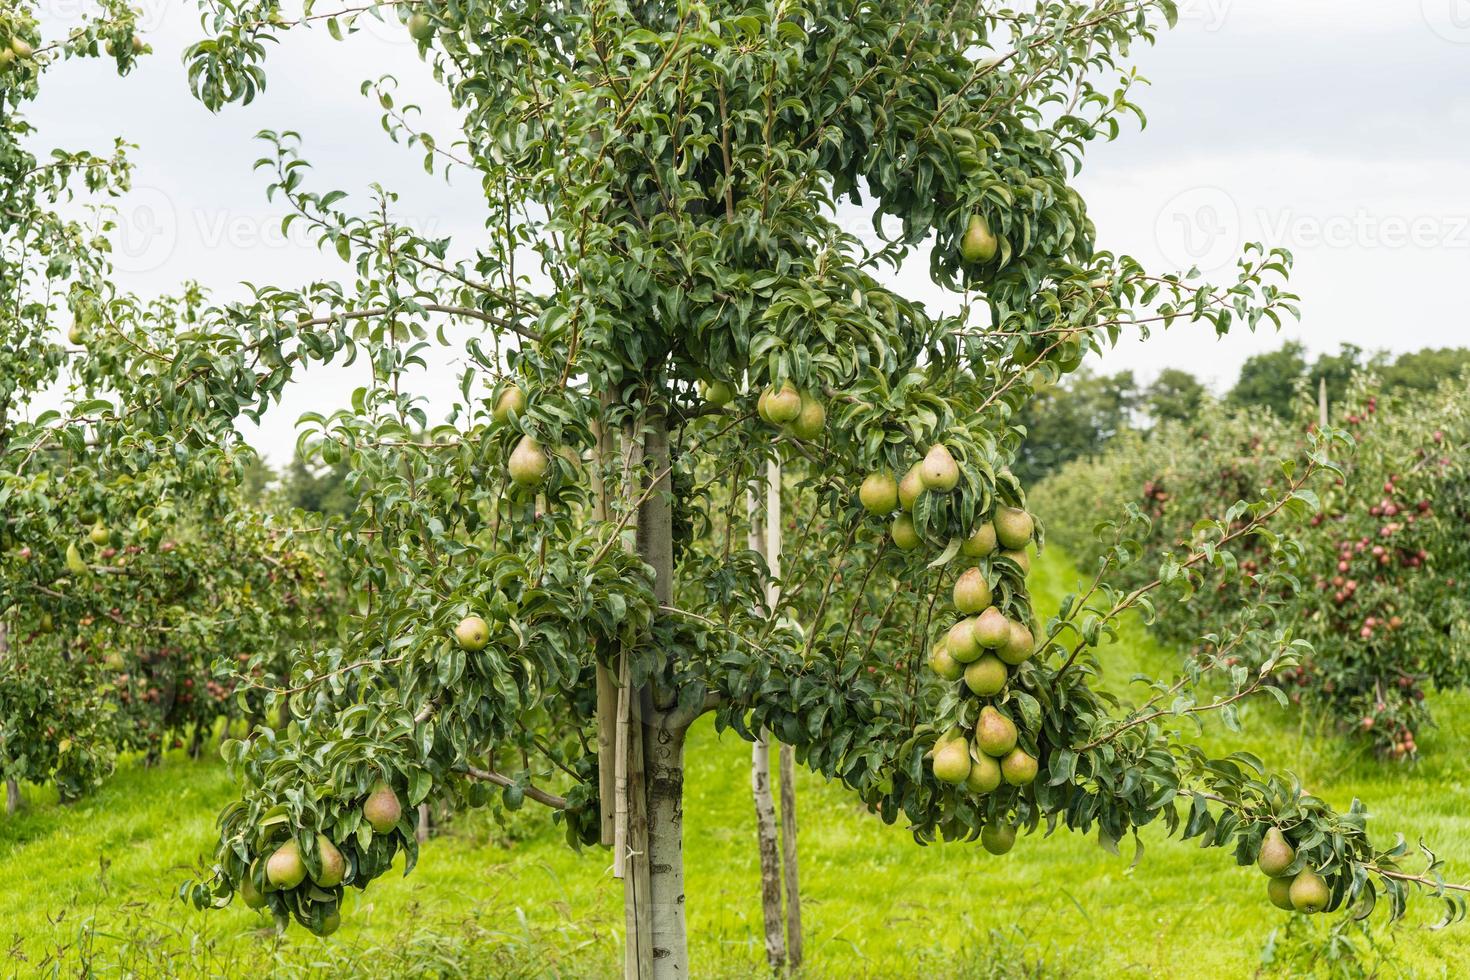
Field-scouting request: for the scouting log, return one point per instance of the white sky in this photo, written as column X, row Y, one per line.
column 1339, row 130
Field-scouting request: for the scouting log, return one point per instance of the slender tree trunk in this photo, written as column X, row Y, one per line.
column 12, row 797
column 760, row 789
column 788, row 856
column 664, row 761
column 421, row 832
column 607, row 688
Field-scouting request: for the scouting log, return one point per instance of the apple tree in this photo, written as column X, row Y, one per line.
column 551, row 585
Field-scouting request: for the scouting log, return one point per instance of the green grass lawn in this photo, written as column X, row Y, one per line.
column 89, row 889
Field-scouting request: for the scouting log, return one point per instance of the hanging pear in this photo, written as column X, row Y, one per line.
column 938, row 471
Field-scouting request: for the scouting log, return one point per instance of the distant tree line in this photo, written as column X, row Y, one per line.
column 1079, row 418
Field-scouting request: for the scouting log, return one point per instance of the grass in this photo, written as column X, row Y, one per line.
column 89, row 888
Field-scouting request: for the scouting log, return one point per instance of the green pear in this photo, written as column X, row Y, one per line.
column 528, row 463
column 811, row 421
column 329, row 924
column 74, row 563
column 910, row 487
column 77, row 335
column 334, row 865
column 1013, row 528
column 284, row 869
column 879, row 493
column 971, row 592
column 961, row 642
column 99, row 533
column 1278, row 890
column 1020, row 558
column 249, row 894
column 718, row 393
column 978, row 245
column 420, row 28
column 995, row 734
column 472, row 634
column 512, row 401
column 21, row 47
column 905, row 536
column 938, row 471
column 987, row 676
column 941, row 661
column 952, row 761
column 997, row 838
column 1309, row 892
column 984, row 774
column 1018, row 646
column 783, row 405
column 1276, row 854
column 981, row 542
column 992, row 629
column 381, row 809
column 1018, row 767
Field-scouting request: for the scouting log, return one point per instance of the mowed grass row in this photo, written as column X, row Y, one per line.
column 92, row 886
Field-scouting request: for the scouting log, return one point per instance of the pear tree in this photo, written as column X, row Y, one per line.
column 551, row 585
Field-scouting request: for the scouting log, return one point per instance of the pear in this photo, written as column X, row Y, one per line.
column 21, row 47
column 1276, row 854
column 1020, row 558
column 879, row 493
column 952, row 761
column 811, row 421
column 77, row 335
column 984, row 774
column 938, row 470
column 910, row 487
column 1018, row 767
column 528, row 463
column 472, row 634
column 334, row 865
column 1309, row 892
column 420, row 28
column 981, row 542
column 763, row 405
column 995, row 734
column 997, row 838
column 971, row 592
column 992, row 629
column 784, row 405
column 249, row 894
column 1013, row 528
column 718, row 393
column 987, row 676
column 904, row 534
column 978, row 245
column 961, row 642
column 942, row 663
column 284, row 869
column 512, row 401
column 1279, row 891
column 329, row 924
column 381, row 809
column 74, row 563
column 1018, row 646
column 99, row 533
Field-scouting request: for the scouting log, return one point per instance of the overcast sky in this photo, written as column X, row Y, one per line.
column 1339, row 130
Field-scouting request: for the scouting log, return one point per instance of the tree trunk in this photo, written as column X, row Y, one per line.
column 421, row 832
column 788, row 856
column 664, row 761
column 760, row 789
column 765, row 826
column 12, row 797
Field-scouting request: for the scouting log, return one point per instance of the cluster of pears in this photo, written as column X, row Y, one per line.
column 799, row 412
column 881, row 494
column 286, row 869
column 1305, row 891
column 528, row 461
column 16, row 50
